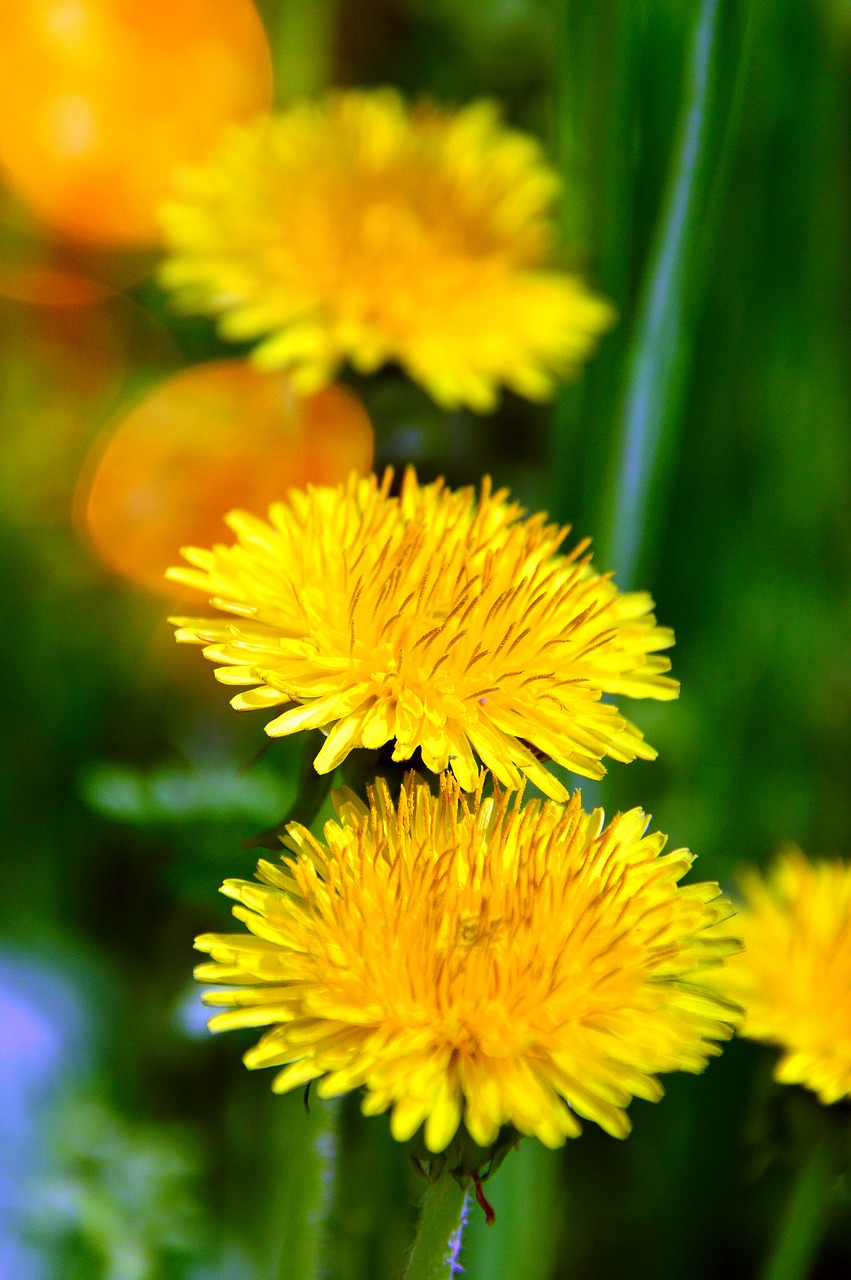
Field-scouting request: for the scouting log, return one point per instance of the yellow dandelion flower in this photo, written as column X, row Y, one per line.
column 433, row 621
column 354, row 229
column 468, row 960
column 794, row 977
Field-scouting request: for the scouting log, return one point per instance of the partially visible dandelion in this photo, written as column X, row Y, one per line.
column 433, row 621
column 470, row 961
column 357, row 230
column 794, row 976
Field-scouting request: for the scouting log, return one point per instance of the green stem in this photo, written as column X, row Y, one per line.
column 438, row 1244
column 303, row 1227
column 804, row 1219
column 655, row 365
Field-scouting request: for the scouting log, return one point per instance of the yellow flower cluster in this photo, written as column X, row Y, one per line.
column 357, row 230
column 475, row 966
column 431, row 620
column 469, row 963
column 472, row 960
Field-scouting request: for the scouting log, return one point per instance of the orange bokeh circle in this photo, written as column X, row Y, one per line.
column 103, row 99
column 211, row 438
column 47, row 286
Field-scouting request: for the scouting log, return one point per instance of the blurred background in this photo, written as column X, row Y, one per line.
column 706, row 155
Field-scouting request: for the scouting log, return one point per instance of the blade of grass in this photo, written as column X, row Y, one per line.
column 594, row 107
column 658, row 356
column 804, row 1220
column 524, row 1240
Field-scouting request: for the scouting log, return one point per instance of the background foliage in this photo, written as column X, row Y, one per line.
column 148, row 1151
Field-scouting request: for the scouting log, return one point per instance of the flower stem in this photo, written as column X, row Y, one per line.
column 803, row 1220
column 438, row 1243
column 307, row 1193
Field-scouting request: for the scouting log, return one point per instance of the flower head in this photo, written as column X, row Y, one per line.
column 794, row 976
column 472, row 960
column 432, row 621
column 354, row 229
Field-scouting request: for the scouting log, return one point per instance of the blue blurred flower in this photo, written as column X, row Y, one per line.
column 42, row 1043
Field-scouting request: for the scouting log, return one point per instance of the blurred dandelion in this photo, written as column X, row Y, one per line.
column 432, row 620
column 473, row 961
column 357, row 230
column 794, row 977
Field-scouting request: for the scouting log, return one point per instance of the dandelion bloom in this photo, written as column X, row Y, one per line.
column 354, row 229
column 794, row 977
column 468, row 959
column 433, row 621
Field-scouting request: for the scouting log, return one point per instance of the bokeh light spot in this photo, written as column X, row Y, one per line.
column 105, row 99
column 72, row 124
column 211, row 438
